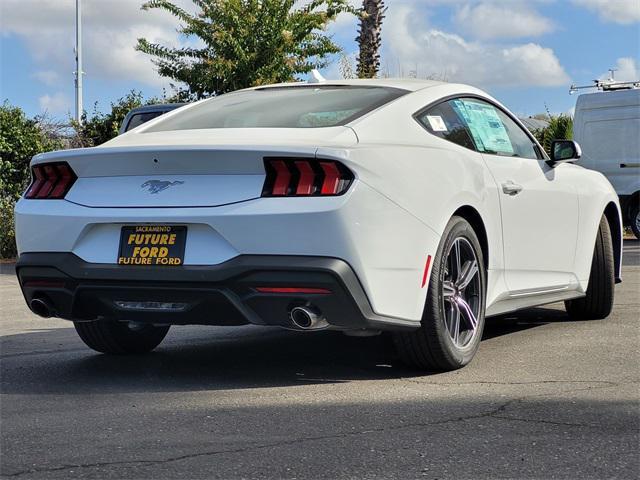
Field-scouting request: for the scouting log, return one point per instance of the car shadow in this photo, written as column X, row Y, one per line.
column 217, row 358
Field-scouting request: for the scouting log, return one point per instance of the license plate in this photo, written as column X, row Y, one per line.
column 152, row 245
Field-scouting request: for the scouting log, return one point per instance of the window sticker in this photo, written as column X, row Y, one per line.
column 437, row 123
column 486, row 128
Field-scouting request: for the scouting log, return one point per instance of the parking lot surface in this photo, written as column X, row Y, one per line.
column 545, row 397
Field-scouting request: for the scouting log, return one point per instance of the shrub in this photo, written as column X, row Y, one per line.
column 20, row 139
column 560, row 128
column 7, row 232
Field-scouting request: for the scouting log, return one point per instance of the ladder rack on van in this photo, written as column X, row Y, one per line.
column 606, row 86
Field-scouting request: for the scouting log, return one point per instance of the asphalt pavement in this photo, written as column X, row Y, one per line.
column 545, row 397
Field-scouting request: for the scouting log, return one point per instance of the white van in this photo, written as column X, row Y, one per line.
column 607, row 127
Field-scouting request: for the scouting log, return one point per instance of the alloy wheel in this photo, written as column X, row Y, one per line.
column 461, row 293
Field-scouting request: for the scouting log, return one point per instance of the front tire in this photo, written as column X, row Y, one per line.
column 598, row 301
column 120, row 338
column 453, row 318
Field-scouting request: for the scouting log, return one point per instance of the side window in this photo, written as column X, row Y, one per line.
column 442, row 121
column 493, row 131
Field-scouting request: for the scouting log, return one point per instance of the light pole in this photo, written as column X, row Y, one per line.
column 78, row 71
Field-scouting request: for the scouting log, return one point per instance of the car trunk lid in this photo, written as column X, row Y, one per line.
column 164, row 172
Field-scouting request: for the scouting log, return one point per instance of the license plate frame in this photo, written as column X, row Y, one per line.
column 152, row 245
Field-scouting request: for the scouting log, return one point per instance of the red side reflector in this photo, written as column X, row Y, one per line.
column 307, row 177
column 331, row 180
column 292, row 290
column 425, row 275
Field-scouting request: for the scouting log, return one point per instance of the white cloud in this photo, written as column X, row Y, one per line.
column 618, row 11
column 48, row 77
column 56, row 103
column 345, row 22
column 508, row 20
column 626, row 71
column 411, row 45
column 110, row 32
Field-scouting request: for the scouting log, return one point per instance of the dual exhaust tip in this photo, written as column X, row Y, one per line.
column 41, row 307
column 307, row 318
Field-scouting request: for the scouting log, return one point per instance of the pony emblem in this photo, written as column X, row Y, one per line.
column 156, row 186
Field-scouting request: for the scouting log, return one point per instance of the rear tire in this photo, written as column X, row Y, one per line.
column 634, row 218
column 598, row 301
column 108, row 336
column 453, row 318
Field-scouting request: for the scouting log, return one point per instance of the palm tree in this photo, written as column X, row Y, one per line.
column 560, row 128
column 370, row 38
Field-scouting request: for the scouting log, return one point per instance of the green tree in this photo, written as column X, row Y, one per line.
column 100, row 127
column 370, row 38
column 246, row 42
column 560, row 128
column 20, row 139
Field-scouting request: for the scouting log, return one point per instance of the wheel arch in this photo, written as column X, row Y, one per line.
column 612, row 214
column 472, row 216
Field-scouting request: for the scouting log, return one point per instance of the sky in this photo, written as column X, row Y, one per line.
column 526, row 53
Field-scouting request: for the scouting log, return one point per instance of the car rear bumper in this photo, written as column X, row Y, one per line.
column 223, row 294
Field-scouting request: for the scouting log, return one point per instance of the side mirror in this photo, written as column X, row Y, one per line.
column 563, row 151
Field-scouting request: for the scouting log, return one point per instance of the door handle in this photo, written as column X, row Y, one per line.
column 511, row 188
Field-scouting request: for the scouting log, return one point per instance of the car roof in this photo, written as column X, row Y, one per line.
column 411, row 84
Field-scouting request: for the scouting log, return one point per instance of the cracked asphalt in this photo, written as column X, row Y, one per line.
column 546, row 397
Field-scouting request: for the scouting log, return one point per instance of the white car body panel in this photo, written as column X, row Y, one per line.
column 543, row 214
column 408, row 183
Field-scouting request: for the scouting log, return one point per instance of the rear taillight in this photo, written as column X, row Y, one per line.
column 50, row 181
column 300, row 177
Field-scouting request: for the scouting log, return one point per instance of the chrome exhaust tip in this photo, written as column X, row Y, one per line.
column 41, row 307
column 307, row 318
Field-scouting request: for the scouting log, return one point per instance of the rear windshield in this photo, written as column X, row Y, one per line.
column 281, row 107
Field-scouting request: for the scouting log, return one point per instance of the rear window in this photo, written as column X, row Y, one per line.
column 282, row 107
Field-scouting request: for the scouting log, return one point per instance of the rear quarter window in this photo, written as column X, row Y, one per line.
column 442, row 121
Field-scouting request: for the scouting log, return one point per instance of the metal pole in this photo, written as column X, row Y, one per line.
column 79, row 71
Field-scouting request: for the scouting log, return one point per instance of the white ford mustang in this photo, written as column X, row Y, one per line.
column 414, row 207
